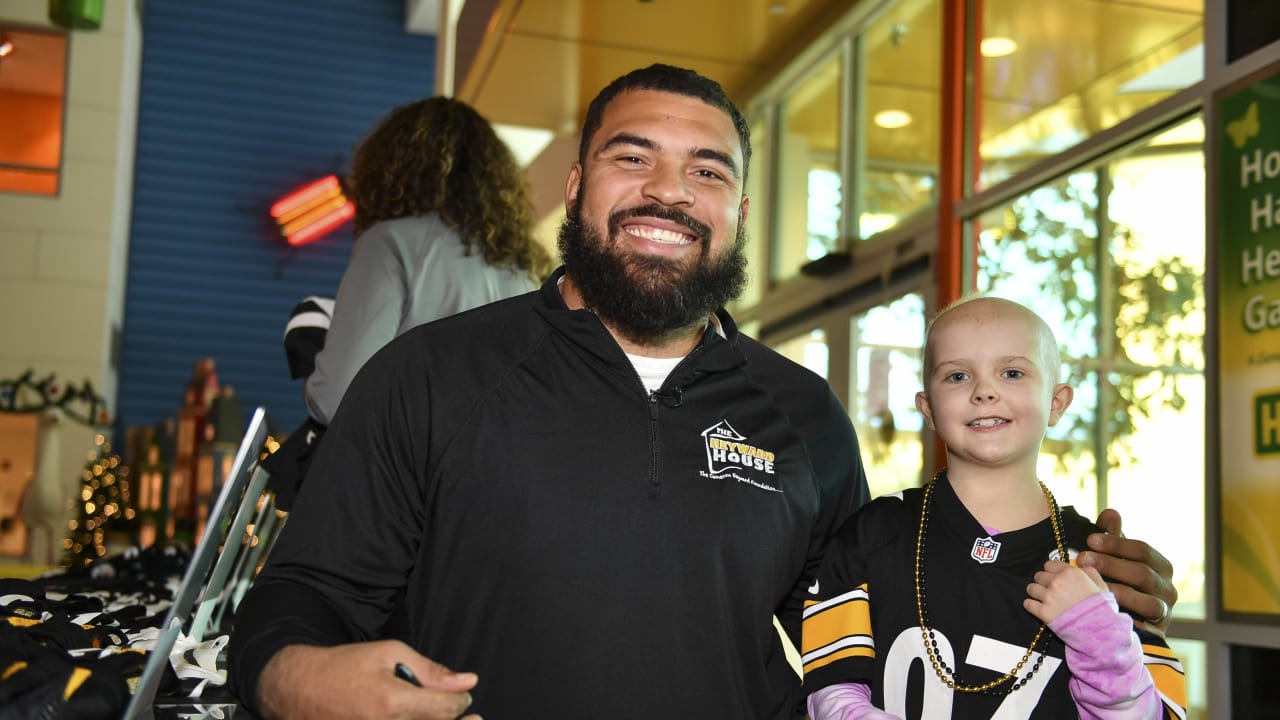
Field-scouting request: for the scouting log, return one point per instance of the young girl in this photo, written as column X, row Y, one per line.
column 961, row 599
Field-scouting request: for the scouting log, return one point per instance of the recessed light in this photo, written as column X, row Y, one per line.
column 525, row 143
column 777, row 8
column 892, row 119
column 994, row 47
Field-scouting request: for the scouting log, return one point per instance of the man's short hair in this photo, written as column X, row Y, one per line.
column 667, row 78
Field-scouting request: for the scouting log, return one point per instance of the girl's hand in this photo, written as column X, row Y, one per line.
column 1059, row 586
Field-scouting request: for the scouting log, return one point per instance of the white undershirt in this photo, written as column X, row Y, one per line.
column 654, row 371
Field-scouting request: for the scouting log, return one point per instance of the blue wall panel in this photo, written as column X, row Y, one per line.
column 242, row 101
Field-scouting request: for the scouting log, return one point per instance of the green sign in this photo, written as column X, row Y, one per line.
column 1249, row 345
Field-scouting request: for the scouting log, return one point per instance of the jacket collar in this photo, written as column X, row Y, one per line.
column 713, row 353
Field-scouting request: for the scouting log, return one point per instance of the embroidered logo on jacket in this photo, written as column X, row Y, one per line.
column 731, row 457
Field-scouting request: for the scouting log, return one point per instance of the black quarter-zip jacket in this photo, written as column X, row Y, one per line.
column 590, row 549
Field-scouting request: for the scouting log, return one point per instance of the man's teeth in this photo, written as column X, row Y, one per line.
column 666, row 237
column 987, row 422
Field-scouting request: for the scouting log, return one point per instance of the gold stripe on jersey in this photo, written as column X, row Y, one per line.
column 1166, row 673
column 836, row 628
column 1160, row 652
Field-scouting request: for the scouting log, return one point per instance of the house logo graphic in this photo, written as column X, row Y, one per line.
column 731, row 457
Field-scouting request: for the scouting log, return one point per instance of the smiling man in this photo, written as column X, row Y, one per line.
column 594, row 498
column 589, row 501
column 656, row 244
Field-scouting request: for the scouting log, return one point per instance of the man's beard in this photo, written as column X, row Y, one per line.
column 646, row 298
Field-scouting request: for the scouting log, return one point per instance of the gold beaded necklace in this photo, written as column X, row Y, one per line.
column 944, row 673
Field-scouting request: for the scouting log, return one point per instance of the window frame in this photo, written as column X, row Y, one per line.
column 55, row 170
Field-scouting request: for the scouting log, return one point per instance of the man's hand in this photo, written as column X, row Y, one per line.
column 359, row 681
column 1139, row 576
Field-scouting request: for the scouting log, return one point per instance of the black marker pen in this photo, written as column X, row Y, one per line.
column 404, row 673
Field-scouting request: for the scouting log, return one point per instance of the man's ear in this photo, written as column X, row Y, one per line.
column 742, row 210
column 922, row 404
column 573, row 186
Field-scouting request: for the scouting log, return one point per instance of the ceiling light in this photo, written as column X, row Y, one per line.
column 1185, row 70
column 892, row 119
column 5, row 48
column 994, row 47
column 525, row 143
column 777, row 8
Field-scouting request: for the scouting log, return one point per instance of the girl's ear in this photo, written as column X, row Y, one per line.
column 1059, row 402
column 922, row 404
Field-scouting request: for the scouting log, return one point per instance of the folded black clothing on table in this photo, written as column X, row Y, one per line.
column 41, row 681
column 66, row 637
column 134, row 570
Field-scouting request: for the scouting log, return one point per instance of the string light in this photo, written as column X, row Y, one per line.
column 104, row 497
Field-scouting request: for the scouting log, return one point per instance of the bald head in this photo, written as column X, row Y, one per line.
column 985, row 310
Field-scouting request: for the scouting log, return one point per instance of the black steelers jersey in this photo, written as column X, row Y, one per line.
column 861, row 623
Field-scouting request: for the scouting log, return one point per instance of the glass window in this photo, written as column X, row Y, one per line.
column 1193, row 656
column 33, row 80
column 899, row 115
column 1254, row 692
column 884, row 376
column 809, row 184
column 757, row 216
column 1251, row 24
column 1046, row 88
column 843, row 177
column 808, row 349
column 1113, row 258
column 884, row 379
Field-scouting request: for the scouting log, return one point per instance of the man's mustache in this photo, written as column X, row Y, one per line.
column 661, row 212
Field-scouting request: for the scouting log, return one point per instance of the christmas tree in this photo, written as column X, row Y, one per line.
column 104, row 506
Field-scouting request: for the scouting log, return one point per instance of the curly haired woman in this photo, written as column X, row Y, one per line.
column 443, row 224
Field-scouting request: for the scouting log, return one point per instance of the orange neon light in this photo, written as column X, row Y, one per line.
column 323, row 225
column 304, row 195
column 313, row 213
column 312, row 210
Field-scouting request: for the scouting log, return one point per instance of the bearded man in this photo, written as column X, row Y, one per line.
column 594, row 498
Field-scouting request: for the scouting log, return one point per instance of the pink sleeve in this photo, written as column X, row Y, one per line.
column 846, row 701
column 1108, row 678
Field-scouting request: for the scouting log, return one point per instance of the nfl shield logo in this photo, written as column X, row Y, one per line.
column 985, row 550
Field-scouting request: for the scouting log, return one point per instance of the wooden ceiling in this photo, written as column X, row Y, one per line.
column 538, row 63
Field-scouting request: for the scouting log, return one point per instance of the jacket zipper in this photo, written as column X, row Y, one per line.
column 653, row 440
column 654, row 399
